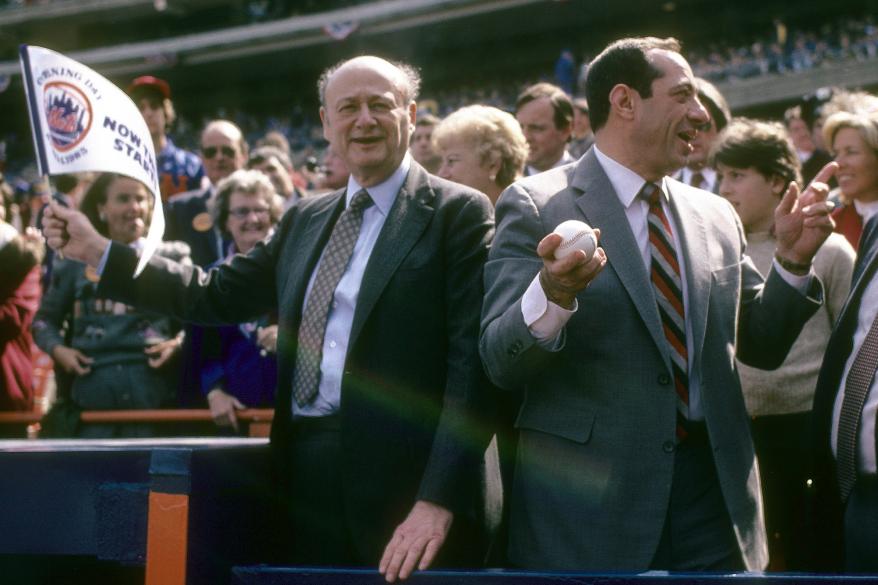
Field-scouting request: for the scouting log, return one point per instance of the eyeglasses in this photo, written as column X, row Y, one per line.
column 244, row 212
column 211, row 151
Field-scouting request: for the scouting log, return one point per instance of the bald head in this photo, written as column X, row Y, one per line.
column 404, row 78
column 223, row 149
column 368, row 110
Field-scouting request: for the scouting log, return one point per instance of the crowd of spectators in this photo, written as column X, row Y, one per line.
column 309, row 164
column 788, row 50
column 244, row 170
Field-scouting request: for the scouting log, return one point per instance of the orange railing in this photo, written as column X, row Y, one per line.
column 257, row 421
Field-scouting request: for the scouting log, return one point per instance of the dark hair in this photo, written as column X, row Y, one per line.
column 65, row 183
column 624, row 61
column 97, row 196
column 18, row 257
column 562, row 107
column 715, row 103
column 756, row 144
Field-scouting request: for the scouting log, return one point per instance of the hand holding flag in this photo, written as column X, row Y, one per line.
column 82, row 122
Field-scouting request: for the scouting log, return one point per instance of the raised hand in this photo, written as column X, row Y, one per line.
column 70, row 232
column 802, row 221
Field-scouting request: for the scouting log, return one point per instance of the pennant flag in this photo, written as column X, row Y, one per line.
column 82, row 122
column 339, row 31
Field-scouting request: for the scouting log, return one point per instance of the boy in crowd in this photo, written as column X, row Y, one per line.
column 755, row 163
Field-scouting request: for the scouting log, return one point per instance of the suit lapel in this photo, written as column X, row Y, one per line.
column 693, row 244
column 602, row 208
column 406, row 221
column 308, row 247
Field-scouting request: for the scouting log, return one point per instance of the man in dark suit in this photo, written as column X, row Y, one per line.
column 845, row 404
column 634, row 449
column 224, row 151
column 374, row 429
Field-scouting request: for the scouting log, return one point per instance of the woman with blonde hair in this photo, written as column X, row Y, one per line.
column 853, row 141
column 481, row 147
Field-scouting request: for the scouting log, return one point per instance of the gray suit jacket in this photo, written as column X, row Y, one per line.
column 596, row 428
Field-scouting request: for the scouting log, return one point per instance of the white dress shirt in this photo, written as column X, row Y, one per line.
column 865, row 209
column 866, row 457
column 708, row 182
column 344, row 300
column 566, row 158
column 546, row 320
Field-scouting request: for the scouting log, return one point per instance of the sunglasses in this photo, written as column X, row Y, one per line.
column 244, row 212
column 211, row 151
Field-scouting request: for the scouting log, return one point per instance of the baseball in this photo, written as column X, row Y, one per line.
column 575, row 235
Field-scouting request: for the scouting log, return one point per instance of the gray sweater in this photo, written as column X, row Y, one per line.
column 790, row 388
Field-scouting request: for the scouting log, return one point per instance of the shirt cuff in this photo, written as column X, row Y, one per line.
column 545, row 320
column 103, row 263
column 800, row 283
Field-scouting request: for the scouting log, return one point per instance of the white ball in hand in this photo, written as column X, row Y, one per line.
column 575, row 235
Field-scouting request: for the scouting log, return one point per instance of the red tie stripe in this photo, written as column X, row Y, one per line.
column 668, row 287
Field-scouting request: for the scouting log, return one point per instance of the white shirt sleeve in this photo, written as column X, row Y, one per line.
column 103, row 263
column 800, row 283
column 544, row 319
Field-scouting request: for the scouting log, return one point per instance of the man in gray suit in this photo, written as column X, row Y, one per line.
column 634, row 449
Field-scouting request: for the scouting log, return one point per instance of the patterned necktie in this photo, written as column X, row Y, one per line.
column 856, row 389
column 696, row 180
column 309, row 352
column 668, row 287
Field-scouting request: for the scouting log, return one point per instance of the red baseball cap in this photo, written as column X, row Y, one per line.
column 148, row 82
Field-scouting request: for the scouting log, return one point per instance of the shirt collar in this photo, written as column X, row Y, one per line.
column 626, row 182
column 866, row 210
column 383, row 194
column 707, row 173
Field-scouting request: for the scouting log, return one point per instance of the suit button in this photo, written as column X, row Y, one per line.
column 512, row 351
column 664, row 379
column 668, row 447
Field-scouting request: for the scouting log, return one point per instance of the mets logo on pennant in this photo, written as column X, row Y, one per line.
column 68, row 113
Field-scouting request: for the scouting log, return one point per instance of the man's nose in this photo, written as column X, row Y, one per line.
column 364, row 117
column 698, row 113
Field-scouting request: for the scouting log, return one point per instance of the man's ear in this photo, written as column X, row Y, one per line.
column 324, row 122
column 413, row 115
column 624, row 101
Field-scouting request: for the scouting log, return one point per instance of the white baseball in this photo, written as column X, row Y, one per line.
column 575, row 235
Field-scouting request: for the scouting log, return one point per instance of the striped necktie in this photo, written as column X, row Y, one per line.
column 309, row 351
column 696, row 180
column 856, row 388
column 668, row 287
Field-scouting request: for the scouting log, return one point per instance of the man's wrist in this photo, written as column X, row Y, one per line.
column 96, row 251
column 565, row 301
column 797, row 268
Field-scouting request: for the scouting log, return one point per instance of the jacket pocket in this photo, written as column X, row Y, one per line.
column 727, row 274
column 570, row 425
